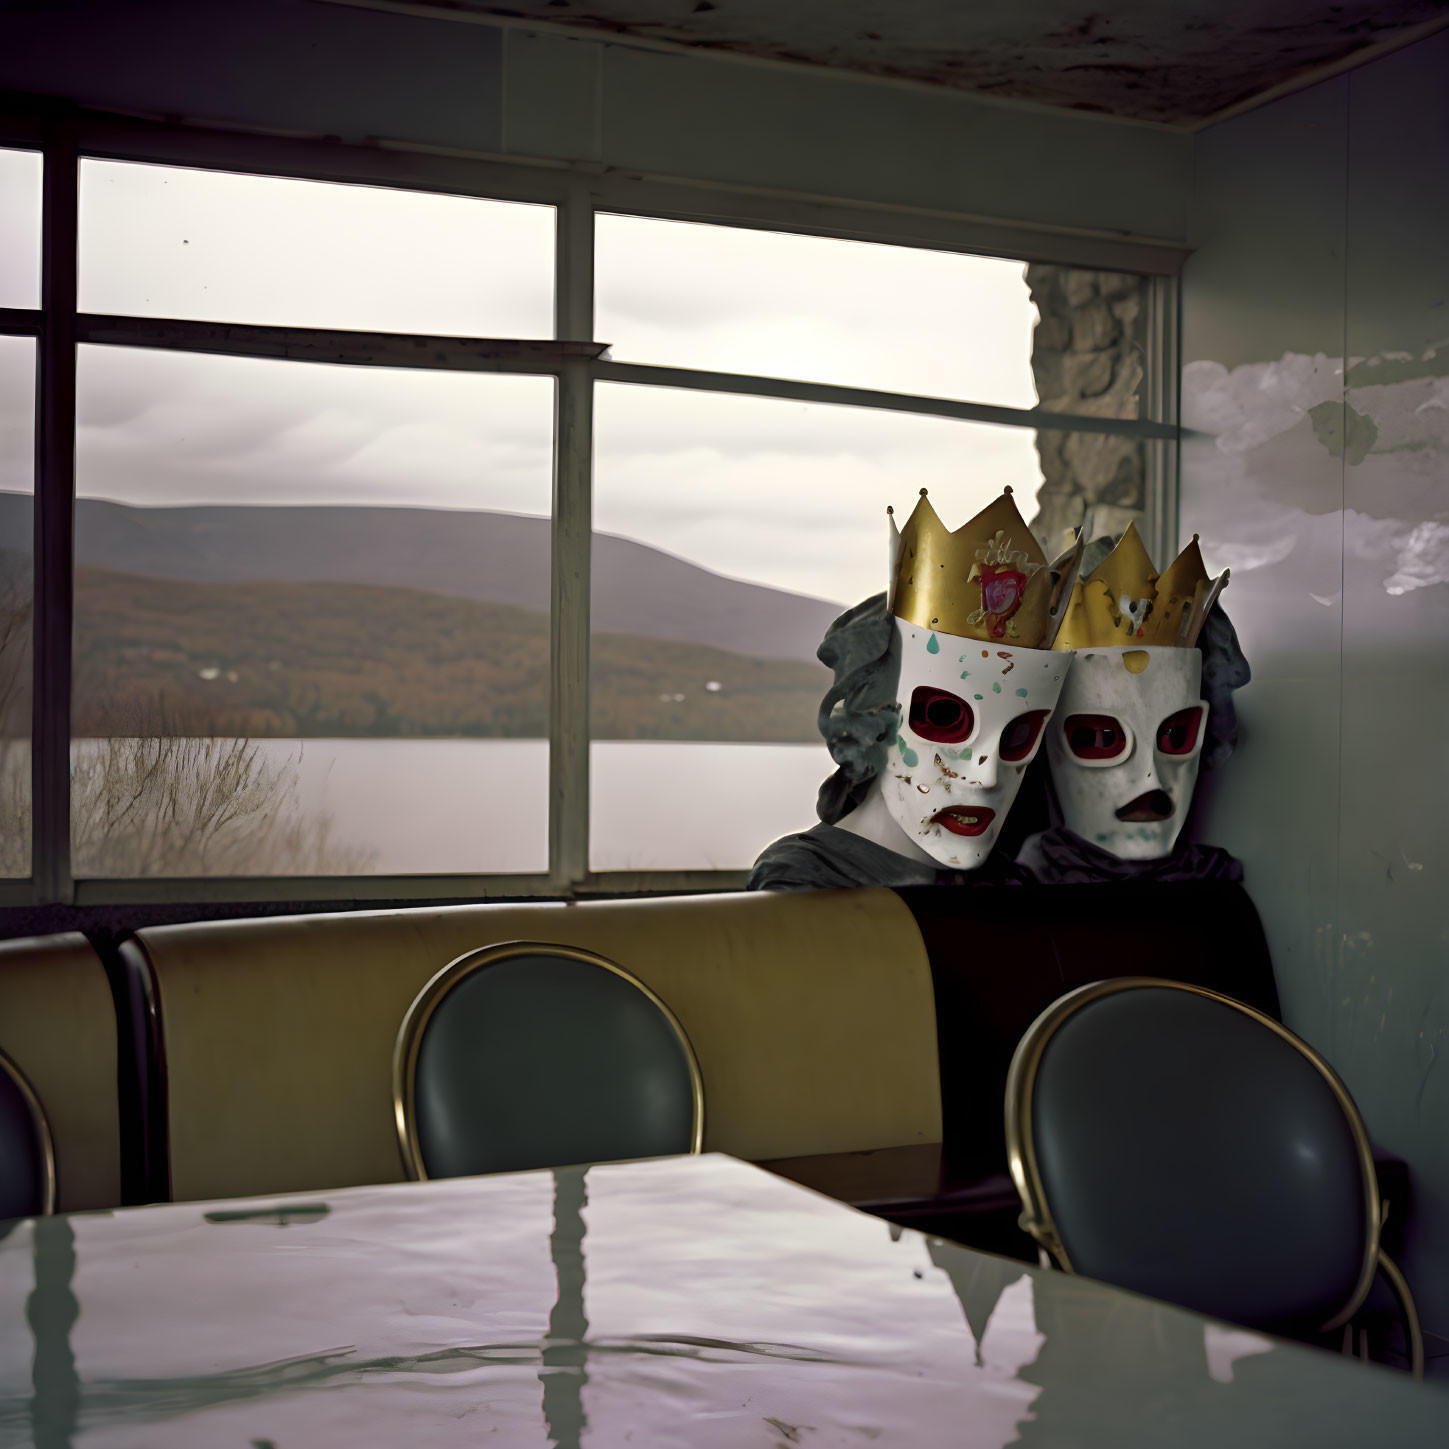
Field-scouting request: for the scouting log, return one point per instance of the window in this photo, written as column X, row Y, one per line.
column 20, row 179
column 819, row 309
column 311, row 618
column 732, row 526
column 311, row 600
column 333, row 465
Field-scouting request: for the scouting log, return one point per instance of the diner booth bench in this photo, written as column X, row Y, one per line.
column 58, row 1025
column 812, row 1017
column 855, row 1040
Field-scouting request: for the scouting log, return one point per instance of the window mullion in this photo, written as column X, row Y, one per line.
column 1160, row 381
column 836, row 395
column 19, row 322
column 55, row 398
column 329, row 345
column 568, row 755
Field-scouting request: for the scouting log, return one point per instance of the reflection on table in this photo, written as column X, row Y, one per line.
column 693, row 1301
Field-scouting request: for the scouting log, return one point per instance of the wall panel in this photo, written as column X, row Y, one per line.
column 1316, row 399
column 840, row 136
column 1262, row 379
column 287, row 66
column 1393, row 973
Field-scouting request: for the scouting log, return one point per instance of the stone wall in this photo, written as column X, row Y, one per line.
column 1086, row 358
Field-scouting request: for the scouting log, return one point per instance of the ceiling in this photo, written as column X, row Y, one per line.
column 1175, row 61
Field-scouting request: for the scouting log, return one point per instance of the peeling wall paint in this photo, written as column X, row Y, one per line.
column 1317, row 445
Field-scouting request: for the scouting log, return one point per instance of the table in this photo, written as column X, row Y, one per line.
column 693, row 1301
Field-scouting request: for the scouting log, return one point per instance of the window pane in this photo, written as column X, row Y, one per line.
column 711, row 595
column 788, row 495
column 901, row 319
column 20, row 173
column 311, row 618
column 17, row 453
column 163, row 241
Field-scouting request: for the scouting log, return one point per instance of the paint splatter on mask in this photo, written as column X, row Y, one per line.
column 973, row 716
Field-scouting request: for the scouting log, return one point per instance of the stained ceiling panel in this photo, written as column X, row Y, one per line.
column 1148, row 59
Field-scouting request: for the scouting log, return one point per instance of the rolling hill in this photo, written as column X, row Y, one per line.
column 492, row 558
column 311, row 660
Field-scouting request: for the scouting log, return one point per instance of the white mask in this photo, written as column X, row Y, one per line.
column 972, row 719
column 1124, row 746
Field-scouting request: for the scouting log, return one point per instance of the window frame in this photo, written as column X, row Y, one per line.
column 573, row 358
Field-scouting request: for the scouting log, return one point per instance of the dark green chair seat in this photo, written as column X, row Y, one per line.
column 27, row 1159
column 1173, row 1141
column 527, row 1055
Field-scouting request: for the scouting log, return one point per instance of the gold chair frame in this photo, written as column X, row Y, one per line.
column 43, row 1138
column 415, row 1022
column 1036, row 1218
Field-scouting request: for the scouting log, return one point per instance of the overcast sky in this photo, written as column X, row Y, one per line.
column 776, row 492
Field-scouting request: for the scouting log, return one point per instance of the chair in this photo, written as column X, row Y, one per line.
column 527, row 1055
column 27, row 1156
column 1181, row 1144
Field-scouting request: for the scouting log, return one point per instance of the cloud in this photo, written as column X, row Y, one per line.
column 158, row 241
column 816, row 308
column 248, row 430
column 20, row 173
column 782, row 493
column 809, row 516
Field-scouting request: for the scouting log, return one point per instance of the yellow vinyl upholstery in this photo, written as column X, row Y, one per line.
column 812, row 1016
column 58, row 1025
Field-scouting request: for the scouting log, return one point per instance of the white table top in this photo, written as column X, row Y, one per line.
column 683, row 1301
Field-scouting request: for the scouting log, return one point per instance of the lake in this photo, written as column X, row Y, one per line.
column 481, row 806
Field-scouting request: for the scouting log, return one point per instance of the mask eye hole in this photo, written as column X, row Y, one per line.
column 1177, row 734
column 1095, row 736
column 940, row 716
column 1020, row 736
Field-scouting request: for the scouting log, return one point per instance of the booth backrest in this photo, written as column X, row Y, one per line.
column 1000, row 957
column 812, row 1016
column 58, row 1025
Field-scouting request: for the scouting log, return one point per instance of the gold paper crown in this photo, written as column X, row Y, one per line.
column 988, row 580
column 1124, row 600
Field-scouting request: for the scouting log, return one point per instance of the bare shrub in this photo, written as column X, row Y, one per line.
column 167, row 805
column 14, row 808
column 155, row 803
column 15, row 633
column 171, row 806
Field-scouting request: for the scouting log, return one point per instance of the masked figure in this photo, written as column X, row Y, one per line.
column 944, row 687
column 1125, row 744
